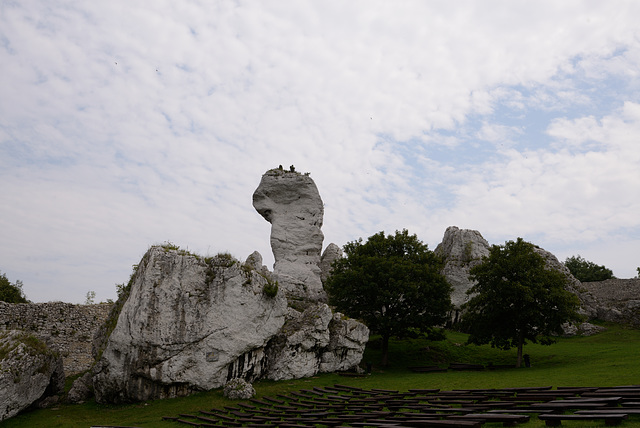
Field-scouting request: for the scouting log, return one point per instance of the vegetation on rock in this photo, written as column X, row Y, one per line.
column 11, row 293
column 586, row 271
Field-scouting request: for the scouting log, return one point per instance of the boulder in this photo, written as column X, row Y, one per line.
column 238, row 389
column 291, row 203
column 583, row 329
column 330, row 255
column 461, row 249
column 188, row 324
column 31, row 373
column 81, row 389
column 315, row 341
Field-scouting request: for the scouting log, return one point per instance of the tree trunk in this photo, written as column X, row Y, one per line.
column 520, row 346
column 385, row 350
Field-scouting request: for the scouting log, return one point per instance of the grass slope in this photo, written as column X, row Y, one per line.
column 607, row 359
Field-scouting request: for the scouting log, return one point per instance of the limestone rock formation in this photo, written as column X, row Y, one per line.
column 462, row 249
column 291, row 203
column 191, row 324
column 316, row 340
column 31, row 374
column 330, row 255
column 573, row 284
column 188, row 324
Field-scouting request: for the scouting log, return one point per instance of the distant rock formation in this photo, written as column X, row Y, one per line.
column 461, row 249
column 291, row 203
column 330, row 255
column 31, row 374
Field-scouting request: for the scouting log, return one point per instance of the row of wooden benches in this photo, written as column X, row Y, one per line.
column 342, row 405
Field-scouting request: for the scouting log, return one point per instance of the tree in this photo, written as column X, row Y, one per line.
column 11, row 293
column 517, row 299
column 586, row 271
column 393, row 284
column 90, row 298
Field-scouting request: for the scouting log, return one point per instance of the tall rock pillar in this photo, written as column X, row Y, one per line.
column 291, row 203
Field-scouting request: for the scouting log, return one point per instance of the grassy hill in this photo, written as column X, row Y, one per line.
column 608, row 359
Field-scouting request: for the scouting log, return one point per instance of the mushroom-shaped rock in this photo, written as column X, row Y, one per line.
column 291, row 203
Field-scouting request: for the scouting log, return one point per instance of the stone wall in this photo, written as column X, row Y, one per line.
column 70, row 327
column 613, row 300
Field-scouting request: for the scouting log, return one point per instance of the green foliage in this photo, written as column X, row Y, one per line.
column 517, row 299
column 11, row 293
column 270, row 289
column 90, row 298
column 586, row 271
column 392, row 283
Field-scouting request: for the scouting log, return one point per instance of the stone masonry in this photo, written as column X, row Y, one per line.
column 70, row 327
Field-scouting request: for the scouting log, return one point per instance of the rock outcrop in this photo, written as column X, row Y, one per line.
column 291, row 203
column 189, row 324
column 316, row 341
column 192, row 324
column 31, row 374
column 461, row 249
column 330, row 255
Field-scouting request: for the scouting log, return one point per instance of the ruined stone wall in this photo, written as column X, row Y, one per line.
column 614, row 300
column 70, row 327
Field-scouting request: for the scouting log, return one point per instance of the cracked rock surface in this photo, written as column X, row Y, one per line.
column 291, row 203
column 187, row 325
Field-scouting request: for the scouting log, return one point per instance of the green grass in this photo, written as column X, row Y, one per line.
column 607, row 359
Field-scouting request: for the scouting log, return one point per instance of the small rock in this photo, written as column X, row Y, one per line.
column 238, row 389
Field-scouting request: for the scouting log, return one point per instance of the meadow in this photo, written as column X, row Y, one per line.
column 610, row 358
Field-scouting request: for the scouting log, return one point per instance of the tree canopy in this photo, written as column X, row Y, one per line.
column 391, row 283
column 586, row 271
column 11, row 293
column 517, row 299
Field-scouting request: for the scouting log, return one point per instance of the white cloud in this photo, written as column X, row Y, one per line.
column 122, row 125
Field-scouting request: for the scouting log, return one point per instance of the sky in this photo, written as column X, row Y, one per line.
column 129, row 124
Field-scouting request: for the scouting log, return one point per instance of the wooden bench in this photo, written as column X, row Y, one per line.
column 506, row 419
column 463, row 366
column 427, row 369
column 610, row 419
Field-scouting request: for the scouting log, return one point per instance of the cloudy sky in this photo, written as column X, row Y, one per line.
column 127, row 124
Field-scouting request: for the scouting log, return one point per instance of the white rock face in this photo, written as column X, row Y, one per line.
column 330, row 255
column 314, row 341
column 462, row 249
column 30, row 373
column 291, row 203
column 187, row 325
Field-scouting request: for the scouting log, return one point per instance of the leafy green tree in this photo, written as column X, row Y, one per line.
column 11, row 293
column 392, row 283
column 517, row 299
column 586, row 271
